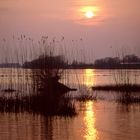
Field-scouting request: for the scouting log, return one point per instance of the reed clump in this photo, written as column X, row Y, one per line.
column 119, row 88
column 46, row 93
column 86, row 97
column 46, row 73
column 38, row 103
column 128, row 98
column 125, row 81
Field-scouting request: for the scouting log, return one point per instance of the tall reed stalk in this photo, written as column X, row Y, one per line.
column 24, row 88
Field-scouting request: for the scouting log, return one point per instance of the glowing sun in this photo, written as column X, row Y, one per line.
column 89, row 14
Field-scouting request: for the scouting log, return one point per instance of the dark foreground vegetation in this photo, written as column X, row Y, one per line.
column 45, row 104
column 48, row 94
column 119, row 88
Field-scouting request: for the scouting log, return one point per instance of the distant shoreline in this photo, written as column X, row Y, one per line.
column 84, row 66
column 103, row 68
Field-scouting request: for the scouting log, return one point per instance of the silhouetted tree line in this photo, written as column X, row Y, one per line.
column 80, row 65
column 128, row 61
column 51, row 62
column 131, row 59
column 45, row 61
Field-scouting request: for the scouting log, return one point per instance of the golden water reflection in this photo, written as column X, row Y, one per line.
column 89, row 77
column 89, row 120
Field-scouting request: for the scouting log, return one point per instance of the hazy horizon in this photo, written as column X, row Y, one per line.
column 103, row 27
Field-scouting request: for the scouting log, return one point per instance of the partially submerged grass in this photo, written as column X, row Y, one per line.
column 46, row 104
column 128, row 98
column 47, row 96
column 125, row 94
column 118, row 88
column 86, row 97
column 47, row 93
column 8, row 90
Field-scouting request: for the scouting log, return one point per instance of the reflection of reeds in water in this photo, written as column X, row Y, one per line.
column 128, row 97
column 47, row 105
column 86, row 97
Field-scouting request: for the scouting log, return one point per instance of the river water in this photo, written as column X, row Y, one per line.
column 95, row 120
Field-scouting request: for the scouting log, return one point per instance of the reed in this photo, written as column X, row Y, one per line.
column 86, row 97
column 37, row 89
column 125, row 81
column 38, row 103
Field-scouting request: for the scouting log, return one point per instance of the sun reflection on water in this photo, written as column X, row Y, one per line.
column 89, row 77
column 89, row 120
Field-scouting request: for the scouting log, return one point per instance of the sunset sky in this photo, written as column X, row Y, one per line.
column 104, row 25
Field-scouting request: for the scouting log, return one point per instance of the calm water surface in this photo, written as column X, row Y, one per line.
column 96, row 120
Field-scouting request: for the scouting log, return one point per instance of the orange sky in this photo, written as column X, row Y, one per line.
column 115, row 22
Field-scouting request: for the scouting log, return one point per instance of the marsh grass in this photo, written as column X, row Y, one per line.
column 38, row 103
column 128, row 98
column 125, row 81
column 86, row 97
column 125, row 87
column 119, row 88
column 45, row 92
